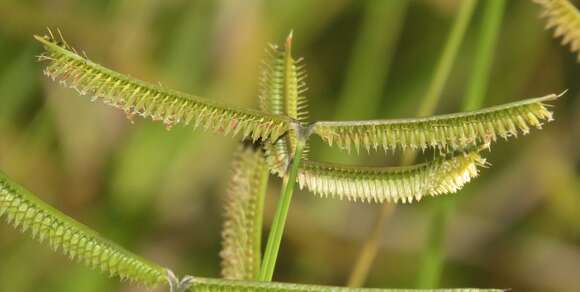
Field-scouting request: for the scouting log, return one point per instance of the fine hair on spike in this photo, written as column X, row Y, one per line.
column 177, row 285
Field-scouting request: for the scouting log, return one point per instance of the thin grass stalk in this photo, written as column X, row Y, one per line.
column 369, row 250
column 433, row 261
column 369, row 48
column 369, row 65
column 364, row 81
column 448, row 58
column 277, row 228
column 493, row 13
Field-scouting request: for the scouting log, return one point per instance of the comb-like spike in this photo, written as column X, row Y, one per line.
column 452, row 132
column 154, row 101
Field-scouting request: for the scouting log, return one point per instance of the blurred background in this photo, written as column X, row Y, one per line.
column 159, row 193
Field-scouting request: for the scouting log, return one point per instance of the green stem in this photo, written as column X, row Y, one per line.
column 430, row 274
column 369, row 64
column 448, row 58
column 369, row 250
column 432, row 266
column 277, row 229
column 362, row 91
column 477, row 86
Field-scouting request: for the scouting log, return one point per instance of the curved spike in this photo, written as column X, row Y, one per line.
column 444, row 132
column 138, row 97
column 27, row 213
column 380, row 184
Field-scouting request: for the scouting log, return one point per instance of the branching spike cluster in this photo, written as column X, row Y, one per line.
column 241, row 241
column 281, row 118
column 390, row 184
column 30, row 215
column 564, row 18
column 446, row 133
column 138, row 97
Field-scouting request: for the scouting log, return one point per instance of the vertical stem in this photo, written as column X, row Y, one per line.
column 279, row 221
column 372, row 54
column 427, row 107
column 477, row 86
column 432, row 267
column 448, row 58
column 369, row 250
column 369, row 63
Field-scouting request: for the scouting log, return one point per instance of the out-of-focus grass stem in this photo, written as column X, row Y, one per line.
column 427, row 107
column 433, row 261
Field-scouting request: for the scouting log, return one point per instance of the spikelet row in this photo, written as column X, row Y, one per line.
column 564, row 18
column 390, row 184
column 30, row 215
column 445, row 132
column 217, row 285
column 240, row 251
column 282, row 85
column 282, row 76
column 137, row 97
column 272, row 100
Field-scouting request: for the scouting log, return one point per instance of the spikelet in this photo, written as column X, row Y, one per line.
column 282, row 85
column 564, row 18
column 137, row 97
column 25, row 212
column 218, row 285
column 241, row 231
column 390, row 184
column 451, row 132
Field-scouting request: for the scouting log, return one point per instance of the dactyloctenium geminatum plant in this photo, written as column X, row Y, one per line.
column 273, row 140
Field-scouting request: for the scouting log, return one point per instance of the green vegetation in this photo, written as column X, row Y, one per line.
column 275, row 139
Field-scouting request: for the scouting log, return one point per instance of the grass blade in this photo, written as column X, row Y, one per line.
column 433, row 261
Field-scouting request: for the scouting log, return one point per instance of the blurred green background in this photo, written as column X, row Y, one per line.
column 159, row 192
